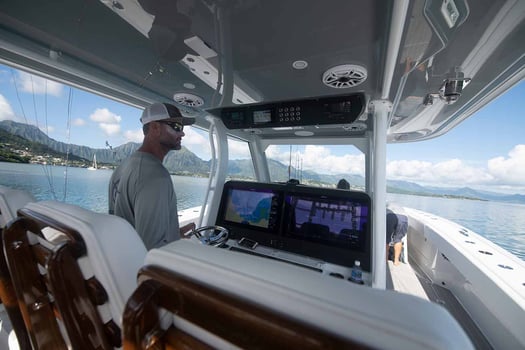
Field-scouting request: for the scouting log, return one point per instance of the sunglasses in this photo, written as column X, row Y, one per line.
column 178, row 127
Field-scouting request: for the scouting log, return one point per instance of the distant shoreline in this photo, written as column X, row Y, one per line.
column 202, row 175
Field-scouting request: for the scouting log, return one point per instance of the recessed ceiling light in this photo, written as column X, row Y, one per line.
column 189, row 86
column 300, row 64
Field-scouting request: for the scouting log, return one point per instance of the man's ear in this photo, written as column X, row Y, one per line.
column 156, row 128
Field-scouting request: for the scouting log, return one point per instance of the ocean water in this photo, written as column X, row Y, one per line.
column 501, row 223
column 88, row 189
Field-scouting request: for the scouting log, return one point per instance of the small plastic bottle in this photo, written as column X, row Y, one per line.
column 357, row 273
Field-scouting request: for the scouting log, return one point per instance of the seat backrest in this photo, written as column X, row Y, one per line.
column 221, row 319
column 225, row 298
column 10, row 201
column 76, row 264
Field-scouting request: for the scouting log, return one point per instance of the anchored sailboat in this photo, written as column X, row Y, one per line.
column 94, row 166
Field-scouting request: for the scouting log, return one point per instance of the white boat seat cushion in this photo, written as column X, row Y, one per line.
column 115, row 252
column 10, row 201
column 377, row 318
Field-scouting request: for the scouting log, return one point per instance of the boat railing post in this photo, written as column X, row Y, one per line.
column 218, row 171
column 260, row 163
column 380, row 110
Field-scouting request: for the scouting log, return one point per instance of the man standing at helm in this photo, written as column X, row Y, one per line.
column 140, row 189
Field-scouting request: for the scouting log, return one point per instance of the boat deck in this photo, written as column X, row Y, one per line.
column 409, row 279
column 402, row 278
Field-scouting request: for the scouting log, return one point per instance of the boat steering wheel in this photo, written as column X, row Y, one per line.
column 211, row 235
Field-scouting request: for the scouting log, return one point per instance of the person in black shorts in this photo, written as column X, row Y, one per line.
column 396, row 229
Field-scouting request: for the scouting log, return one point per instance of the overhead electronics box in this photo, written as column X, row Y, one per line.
column 314, row 111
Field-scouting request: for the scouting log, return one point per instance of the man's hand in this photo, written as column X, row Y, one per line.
column 187, row 228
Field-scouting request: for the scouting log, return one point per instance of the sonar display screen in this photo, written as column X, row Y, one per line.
column 251, row 208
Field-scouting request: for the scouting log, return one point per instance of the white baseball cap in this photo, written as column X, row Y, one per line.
column 164, row 111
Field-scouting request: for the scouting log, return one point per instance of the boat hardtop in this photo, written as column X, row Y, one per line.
column 286, row 72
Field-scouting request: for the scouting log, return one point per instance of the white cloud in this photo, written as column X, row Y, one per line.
column 500, row 173
column 453, row 172
column 196, row 140
column 79, row 122
column 103, row 115
column 108, row 121
column 320, row 159
column 408, row 169
column 506, row 174
column 109, row 129
column 273, row 152
column 34, row 84
column 133, row 135
column 238, row 149
column 6, row 112
column 509, row 171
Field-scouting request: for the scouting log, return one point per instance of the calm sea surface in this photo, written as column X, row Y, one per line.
column 502, row 223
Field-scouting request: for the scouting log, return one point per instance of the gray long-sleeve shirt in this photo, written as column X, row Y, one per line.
column 141, row 191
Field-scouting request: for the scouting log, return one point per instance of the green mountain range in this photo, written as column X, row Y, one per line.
column 20, row 136
column 179, row 162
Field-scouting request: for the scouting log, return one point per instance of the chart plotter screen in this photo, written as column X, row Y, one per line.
column 249, row 208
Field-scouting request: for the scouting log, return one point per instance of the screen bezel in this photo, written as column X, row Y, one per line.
column 251, row 187
column 280, row 239
column 330, row 199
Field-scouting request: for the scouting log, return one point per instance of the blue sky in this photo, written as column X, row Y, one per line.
column 487, row 151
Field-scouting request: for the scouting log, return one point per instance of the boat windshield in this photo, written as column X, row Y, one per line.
column 317, row 165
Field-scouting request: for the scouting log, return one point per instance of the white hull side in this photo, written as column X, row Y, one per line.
column 455, row 258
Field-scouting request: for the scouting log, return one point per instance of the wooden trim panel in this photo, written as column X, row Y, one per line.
column 239, row 322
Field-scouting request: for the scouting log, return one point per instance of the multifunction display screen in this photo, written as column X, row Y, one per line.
column 329, row 224
column 331, row 221
column 252, row 208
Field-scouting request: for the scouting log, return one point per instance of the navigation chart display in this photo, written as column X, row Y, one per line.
column 250, row 208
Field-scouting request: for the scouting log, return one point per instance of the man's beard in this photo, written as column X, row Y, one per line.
column 172, row 146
